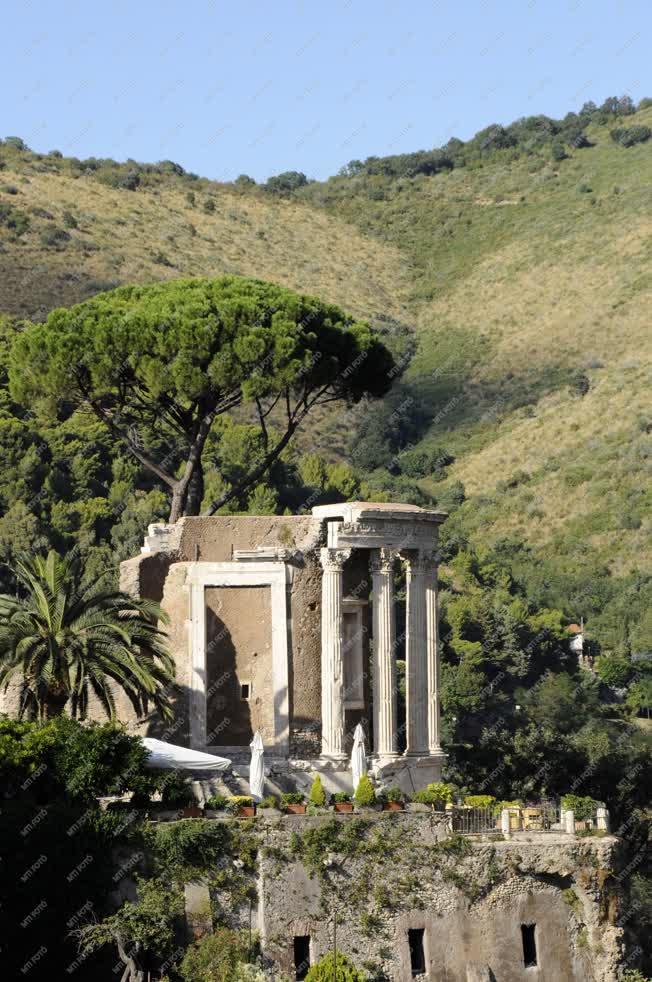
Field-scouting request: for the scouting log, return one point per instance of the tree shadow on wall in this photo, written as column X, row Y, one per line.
column 228, row 716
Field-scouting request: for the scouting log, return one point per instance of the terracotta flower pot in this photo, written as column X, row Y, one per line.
column 191, row 811
column 246, row 811
column 295, row 809
column 343, row 806
column 392, row 806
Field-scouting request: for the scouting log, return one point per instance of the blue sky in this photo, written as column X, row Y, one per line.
column 259, row 88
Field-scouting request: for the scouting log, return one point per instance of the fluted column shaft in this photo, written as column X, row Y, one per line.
column 432, row 653
column 384, row 640
column 416, row 657
column 332, row 666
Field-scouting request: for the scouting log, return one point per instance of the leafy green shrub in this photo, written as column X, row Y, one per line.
column 421, row 463
column 54, row 237
column 479, row 800
column 286, row 183
column 390, row 794
column 292, row 798
column 118, row 178
column 77, row 761
column 327, row 969
column 580, row 384
column 69, row 220
column 144, row 927
column 317, row 793
column 614, row 670
column 209, row 206
column 216, row 802
column 176, row 791
column 633, row 975
column 16, row 142
column 14, row 219
column 577, row 475
column 183, row 847
column 215, row 956
column 365, row 795
column 340, row 797
column 629, row 135
column 582, row 805
column 269, row 801
column 436, row 793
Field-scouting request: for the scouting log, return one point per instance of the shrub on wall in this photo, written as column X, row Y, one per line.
column 215, row 956
column 327, row 969
column 479, row 800
column 581, row 805
column 436, row 793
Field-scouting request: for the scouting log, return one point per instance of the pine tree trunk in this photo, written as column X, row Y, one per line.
column 195, row 494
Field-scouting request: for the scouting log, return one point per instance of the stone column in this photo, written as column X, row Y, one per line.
column 384, row 638
column 332, row 666
column 432, row 650
column 416, row 657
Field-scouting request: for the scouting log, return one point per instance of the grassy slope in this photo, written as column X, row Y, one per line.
column 514, row 277
column 522, row 277
column 130, row 236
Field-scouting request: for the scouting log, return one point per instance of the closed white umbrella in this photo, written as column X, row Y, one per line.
column 168, row 756
column 257, row 768
column 358, row 756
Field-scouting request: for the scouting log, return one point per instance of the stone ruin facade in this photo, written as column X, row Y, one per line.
column 287, row 625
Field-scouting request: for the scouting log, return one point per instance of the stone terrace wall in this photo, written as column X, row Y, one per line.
column 387, row 874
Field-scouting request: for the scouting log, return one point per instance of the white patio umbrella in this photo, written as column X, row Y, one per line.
column 358, row 756
column 168, row 756
column 257, row 768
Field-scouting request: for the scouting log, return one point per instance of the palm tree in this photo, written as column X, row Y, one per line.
column 66, row 639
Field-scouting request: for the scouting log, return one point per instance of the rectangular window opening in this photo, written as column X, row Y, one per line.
column 301, row 955
column 528, row 935
column 245, row 691
column 417, row 954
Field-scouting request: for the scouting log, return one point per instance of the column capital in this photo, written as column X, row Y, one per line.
column 381, row 560
column 419, row 561
column 333, row 559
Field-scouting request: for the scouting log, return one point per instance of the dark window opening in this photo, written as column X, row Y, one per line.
column 244, row 690
column 529, row 945
column 301, row 955
column 417, row 954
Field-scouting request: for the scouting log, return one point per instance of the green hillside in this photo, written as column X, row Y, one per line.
column 532, row 282
column 521, row 261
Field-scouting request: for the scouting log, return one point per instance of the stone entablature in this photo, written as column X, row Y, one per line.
column 311, row 649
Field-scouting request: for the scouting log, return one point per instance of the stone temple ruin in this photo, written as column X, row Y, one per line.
column 287, row 625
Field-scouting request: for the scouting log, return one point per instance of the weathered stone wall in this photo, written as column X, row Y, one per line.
column 242, row 627
column 238, row 652
column 394, row 873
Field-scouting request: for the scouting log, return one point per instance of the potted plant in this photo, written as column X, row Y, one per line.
column 391, row 799
column 435, row 796
column 342, row 802
column 365, row 795
column 293, row 802
column 241, row 805
column 215, row 805
column 317, row 796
